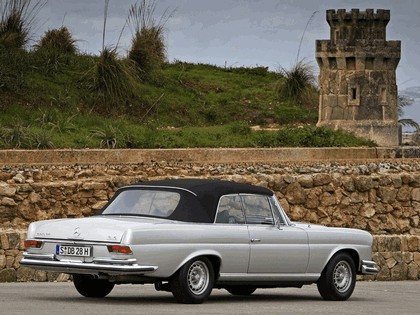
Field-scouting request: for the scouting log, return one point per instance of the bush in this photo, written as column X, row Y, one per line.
column 311, row 136
column 17, row 17
column 297, row 84
column 14, row 64
column 112, row 77
column 148, row 49
column 58, row 41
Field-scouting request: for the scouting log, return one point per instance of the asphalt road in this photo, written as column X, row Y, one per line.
column 61, row 298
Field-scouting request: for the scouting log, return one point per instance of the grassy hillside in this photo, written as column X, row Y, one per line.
column 51, row 102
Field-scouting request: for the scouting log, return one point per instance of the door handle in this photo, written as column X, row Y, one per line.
column 255, row 240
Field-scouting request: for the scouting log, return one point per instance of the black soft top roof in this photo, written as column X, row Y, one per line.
column 206, row 191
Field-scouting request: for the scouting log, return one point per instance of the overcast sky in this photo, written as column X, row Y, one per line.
column 238, row 32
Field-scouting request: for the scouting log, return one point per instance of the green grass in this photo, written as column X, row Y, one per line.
column 191, row 105
column 24, row 128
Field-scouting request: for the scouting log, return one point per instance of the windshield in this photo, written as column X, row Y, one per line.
column 155, row 203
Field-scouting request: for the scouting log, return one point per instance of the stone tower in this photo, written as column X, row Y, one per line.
column 358, row 91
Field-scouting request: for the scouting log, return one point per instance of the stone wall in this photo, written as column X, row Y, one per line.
column 381, row 196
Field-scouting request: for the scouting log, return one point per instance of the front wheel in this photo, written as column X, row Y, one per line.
column 193, row 283
column 88, row 286
column 338, row 279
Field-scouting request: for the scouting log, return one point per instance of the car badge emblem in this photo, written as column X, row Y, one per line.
column 77, row 232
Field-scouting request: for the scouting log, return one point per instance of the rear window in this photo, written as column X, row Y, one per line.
column 155, row 203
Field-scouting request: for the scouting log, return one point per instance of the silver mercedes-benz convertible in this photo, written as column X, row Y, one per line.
column 188, row 236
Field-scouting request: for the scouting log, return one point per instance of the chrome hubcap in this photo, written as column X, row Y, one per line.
column 198, row 277
column 342, row 276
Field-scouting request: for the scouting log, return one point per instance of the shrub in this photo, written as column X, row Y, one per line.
column 148, row 49
column 58, row 41
column 297, row 84
column 14, row 64
column 311, row 136
column 111, row 76
column 16, row 136
column 16, row 20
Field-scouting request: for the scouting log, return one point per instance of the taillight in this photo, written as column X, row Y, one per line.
column 119, row 249
column 32, row 244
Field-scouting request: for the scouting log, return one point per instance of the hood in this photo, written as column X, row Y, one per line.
column 98, row 229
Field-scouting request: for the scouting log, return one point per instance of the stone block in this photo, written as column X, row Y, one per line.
column 367, row 210
column 14, row 240
column 416, row 258
column 415, row 194
column 413, row 243
column 4, row 240
column 389, row 244
column 10, row 261
column 2, row 261
column 306, row 181
column 399, row 272
column 363, row 183
column 404, row 193
column 384, row 274
column 390, row 263
column 348, row 183
column 8, row 202
column 413, row 272
column 7, row 190
column 295, row 194
column 407, row 257
column 8, row 275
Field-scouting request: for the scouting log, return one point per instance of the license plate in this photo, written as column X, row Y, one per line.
column 79, row 251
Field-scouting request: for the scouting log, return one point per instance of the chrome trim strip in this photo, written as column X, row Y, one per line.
column 369, row 267
column 116, row 268
column 40, row 256
column 111, row 261
column 165, row 187
column 303, row 277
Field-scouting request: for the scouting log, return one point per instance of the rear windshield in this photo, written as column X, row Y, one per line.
column 155, row 203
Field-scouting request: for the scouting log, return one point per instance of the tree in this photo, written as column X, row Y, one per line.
column 403, row 102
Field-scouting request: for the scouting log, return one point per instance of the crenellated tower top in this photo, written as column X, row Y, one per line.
column 355, row 25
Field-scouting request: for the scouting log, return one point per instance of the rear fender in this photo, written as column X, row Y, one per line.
column 208, row 253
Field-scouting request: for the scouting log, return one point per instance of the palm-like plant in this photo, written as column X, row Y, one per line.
column 403, row 102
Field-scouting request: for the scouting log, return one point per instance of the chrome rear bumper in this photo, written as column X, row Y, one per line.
column 369, row 267
column 98, row 265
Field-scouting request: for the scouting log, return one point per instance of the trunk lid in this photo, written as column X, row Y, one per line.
column 98, row 229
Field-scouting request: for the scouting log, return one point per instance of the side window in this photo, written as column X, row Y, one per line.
column 230, row 210
column 257, row 209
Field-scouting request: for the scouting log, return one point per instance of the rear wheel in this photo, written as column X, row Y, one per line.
column 88, row 286
column 338, row 279
column 193, row 283
column 241, row 289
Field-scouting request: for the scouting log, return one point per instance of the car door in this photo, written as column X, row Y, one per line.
column 274, row 248
column 234, row 243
